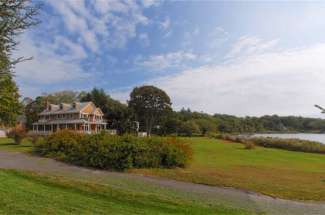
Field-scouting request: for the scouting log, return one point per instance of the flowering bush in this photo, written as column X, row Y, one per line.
column 115, row 152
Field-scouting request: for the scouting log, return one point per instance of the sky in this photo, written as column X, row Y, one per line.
column 241, row 58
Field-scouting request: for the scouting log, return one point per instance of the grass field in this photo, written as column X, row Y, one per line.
column 274, row 172
column 9, row 145
column 28, row 193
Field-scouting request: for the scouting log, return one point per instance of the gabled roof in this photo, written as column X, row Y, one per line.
column 75, row 107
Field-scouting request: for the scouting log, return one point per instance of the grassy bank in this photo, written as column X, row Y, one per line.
column 278, row 143
column 9, row 145
column 26, row 193
column 274, row 172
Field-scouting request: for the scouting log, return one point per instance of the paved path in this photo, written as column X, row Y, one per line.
column 228, row 196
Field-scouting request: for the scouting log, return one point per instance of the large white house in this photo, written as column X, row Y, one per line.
column 79, row 116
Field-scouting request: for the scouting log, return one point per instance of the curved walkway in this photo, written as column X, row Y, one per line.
column 234, row 197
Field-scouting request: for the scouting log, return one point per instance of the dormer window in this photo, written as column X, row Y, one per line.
column 76, row 105
column 61, row 106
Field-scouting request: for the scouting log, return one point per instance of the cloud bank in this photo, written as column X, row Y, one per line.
column 283, row 82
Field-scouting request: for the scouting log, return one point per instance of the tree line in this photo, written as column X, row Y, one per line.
column 151, row 107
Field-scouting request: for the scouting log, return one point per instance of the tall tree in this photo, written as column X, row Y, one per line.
column 33, row 109
column 65, row 96
column 149, row 103
column 10, row 106
column 15, row 17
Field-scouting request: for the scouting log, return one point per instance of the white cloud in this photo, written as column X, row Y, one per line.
column 101, row 22
column 48, row 65
column 103, row 6
column 150, row 3
column 247, row 45
column 165, row 24
column 72, row 50
column 287, row 82
column 165, row 61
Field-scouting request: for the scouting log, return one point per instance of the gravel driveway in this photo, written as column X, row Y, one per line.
column 228, row 196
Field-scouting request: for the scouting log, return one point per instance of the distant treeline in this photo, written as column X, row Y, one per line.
column 184, row 122
column 223, row 123
column 274, row 123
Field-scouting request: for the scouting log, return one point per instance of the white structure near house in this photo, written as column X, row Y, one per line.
column 142, row 134
column 83, row 117
column 2, row 133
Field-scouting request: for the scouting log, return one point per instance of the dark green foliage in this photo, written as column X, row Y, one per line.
column 149, row 104
column 206, row 126
column 10, row 106
column 33, row 109
column 114, row 152
column 117, row 114
column 189, row 128
column 274, row 123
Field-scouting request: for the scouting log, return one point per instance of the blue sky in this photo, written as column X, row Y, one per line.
column 236, row 58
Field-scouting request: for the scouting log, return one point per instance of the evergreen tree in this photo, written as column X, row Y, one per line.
column 10, row 106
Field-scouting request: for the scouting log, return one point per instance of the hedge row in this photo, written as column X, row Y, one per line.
column 105, row 151
column 280, row 143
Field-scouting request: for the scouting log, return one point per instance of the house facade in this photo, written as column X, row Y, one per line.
column 82, row 117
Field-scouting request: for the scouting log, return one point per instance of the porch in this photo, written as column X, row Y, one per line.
column 81, row 126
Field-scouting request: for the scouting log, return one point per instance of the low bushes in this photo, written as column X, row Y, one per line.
column 114, row 152
column 18, row 134
column 290, row 144
column 249, row 144
column 271, row 142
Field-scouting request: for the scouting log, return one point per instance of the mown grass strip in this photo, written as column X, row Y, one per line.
column 26, row 193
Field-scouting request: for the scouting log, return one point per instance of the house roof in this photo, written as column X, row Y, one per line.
column 62, row 108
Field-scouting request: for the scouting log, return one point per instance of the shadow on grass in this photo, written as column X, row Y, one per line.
column 8, row 144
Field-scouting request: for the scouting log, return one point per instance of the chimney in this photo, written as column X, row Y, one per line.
column 47, row 104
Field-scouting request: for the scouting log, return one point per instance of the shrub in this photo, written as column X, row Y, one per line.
column 33, row 138
column 114, row 152
column 290, row 144
column 249, row 144
column 18, row 134
column 271, row 142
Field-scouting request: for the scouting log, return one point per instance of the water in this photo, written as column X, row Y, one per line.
column 304, row 136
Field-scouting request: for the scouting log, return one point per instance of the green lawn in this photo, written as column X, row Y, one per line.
column 28, row 193
column 9, row 145
column 274, row 172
